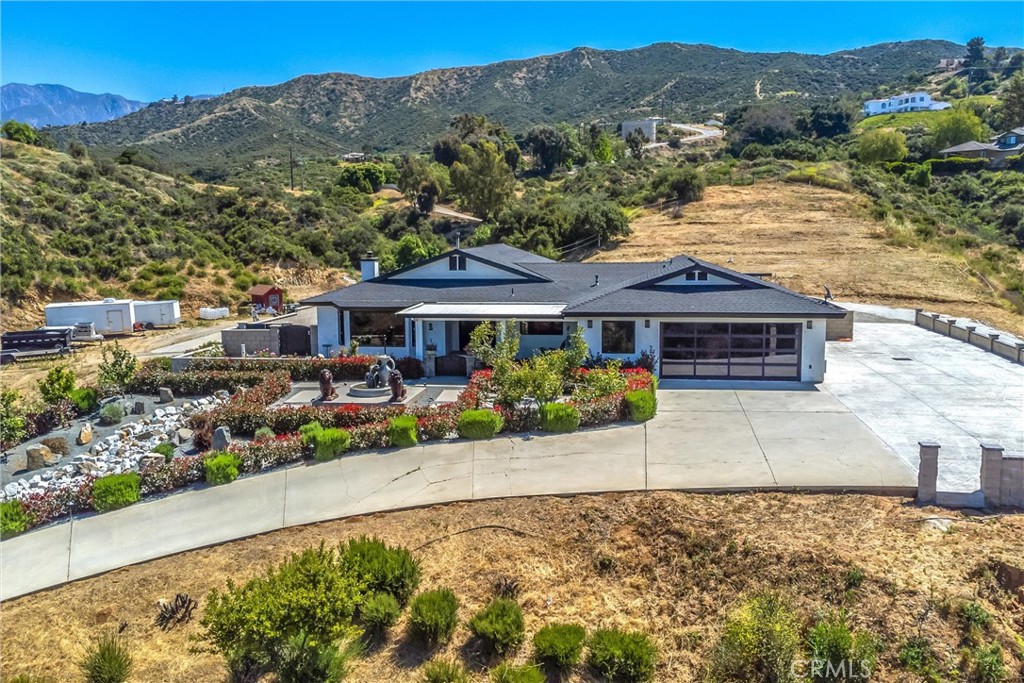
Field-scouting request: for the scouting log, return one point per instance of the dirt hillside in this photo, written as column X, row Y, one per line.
column 807, row 236
column 670, row 564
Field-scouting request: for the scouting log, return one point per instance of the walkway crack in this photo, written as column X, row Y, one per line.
column 757, row 440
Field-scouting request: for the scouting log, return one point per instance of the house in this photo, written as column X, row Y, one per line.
column 267, row 296
column 649, row 127
column 908, row 101
column 699, row 319
column 1001, row 146
column 952, row 64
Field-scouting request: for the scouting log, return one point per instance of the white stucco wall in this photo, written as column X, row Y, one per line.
column 327, row 329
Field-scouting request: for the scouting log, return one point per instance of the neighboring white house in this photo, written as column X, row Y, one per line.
column 908, row 101
column 649, row 127
column 698, row 320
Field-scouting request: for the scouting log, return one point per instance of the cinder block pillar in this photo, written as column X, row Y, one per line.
column 991, row 473
column 1011, row 492
column 927, row 472
column 992, row 341
column 970, row 332
column 1020, row 352
column 935, row 319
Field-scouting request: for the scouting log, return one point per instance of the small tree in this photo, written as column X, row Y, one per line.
column 957, row 126
column 636, row 141
column 58, row 384
column 118, row 368
column 1012, row 113
column 881, row 145
column 12, row 420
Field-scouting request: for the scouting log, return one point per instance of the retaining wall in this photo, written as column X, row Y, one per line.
column 994, row 342
column 1002, row 476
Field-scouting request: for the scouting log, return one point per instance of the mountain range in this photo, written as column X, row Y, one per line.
column 58, row 105
column 329, row 113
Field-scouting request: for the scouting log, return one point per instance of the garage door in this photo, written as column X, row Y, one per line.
column 731, row 350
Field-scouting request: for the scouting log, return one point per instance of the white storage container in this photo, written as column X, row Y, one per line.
column 110, row 316
column 157, row 313
column 214, row 313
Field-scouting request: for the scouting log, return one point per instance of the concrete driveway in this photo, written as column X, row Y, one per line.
column 907, row 384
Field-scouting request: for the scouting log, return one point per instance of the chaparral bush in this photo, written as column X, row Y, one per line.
column 642, row 405
column 221, row 468
column 302, row 659
column 382, row 568
column 111, row 414
column 509, row 673
column 500, row 625
column 627, row 656
column 838, row 653
column 379, row 612
column 479, row 424
column 445, row 671
column 13, row 518
column 559, row 417
column 401, row 431
column 433, row 616
column 560, row 645
column 115, row 491
column 759, row 643
column 107, row 661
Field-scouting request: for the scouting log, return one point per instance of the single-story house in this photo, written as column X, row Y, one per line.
column 908, row 101
column 698, row 319
column 1001, row 146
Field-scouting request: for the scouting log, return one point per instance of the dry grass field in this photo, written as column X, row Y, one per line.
column 807, row 236
column 670, row 564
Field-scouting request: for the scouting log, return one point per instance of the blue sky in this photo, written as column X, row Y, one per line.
column 150, row 50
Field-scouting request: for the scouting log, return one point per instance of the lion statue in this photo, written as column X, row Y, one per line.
column 327, row 391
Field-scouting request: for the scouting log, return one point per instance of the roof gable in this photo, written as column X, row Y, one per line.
column 473, row 266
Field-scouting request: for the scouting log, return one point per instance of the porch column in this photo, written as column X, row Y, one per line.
column 346, row 338
column 418, row 351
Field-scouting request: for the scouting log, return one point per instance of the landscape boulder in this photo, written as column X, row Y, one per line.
column 139, row 408
column 165, row 395
column 184, row 435
column 221, row 439
column 151, row 460
column 39, row 456
column 84, row 434
column 15, row 461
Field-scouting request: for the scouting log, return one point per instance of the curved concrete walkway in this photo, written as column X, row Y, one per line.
column 777, row 436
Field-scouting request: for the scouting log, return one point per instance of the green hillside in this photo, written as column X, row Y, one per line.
column 330, row 113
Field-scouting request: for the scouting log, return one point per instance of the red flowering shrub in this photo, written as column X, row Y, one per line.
column 261, row 455
column 603, row 410
column 437, row 422
column 192, row 382
column 300, row 369
column 171, row 475
column 519, row 418
column 44, row 506
column 372, row 435
column 51, row 417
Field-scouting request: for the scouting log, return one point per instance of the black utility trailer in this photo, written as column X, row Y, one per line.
column 34, row 343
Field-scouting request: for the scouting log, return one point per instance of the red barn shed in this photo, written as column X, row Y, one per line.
column 267, row 296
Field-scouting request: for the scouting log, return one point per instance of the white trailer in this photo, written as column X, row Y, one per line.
column 157, row 313
column 110, row 316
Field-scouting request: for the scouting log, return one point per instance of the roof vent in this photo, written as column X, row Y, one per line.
column 109, row 300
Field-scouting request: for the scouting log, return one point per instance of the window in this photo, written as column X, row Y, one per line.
column 541, row 327
column 696, row 275
column 701, row 275
column 377, row 328
column 691, row 276
column 1012, row 140
column 456, row 262
column 618, row 336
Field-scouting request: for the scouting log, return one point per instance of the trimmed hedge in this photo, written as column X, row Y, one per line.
column 221, row 468
column 479, row 424
column 559, row 418
column 433, row 616
column 326, row 444
column 500, row 625
column 560, row 645
column 627, row 656
column 115, row 491
column 13, row 518
column 401, row 431
column 642, row 405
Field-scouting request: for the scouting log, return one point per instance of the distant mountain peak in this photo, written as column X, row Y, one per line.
column 52, row 104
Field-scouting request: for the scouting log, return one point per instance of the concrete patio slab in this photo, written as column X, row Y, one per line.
column 789, row 401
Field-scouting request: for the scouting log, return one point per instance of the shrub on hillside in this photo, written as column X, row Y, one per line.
column 479, row 424
column 13, row 518
column 221, row 468
column 401, row 431
column 85, row 399
column 382, row 568
column 957, row 165
column 642, row 405
column 845, row 655
column 499, row 625
column 559, row 418
column 302, row 659
column 627, row 656
column 918, row 657
column 433, row 616
column 560, row 645
column 379, row 612
column 984, row 664
column 759, row 642
column 107, row 661
column 115, row 491
column 509, row 673
column 111, row 414
column 445, row 671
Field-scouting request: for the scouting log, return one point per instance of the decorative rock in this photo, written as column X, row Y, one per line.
column 166, row 395
column 39, row 456
column 12, row 488
column 221, row 439
column 159, row 412
column 84, row 435
column 184, row 435
column 151, row 460
column 139, row 408
column 148, row 434
column 16, row 461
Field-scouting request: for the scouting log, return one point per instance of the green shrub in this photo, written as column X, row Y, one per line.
column 401, row 431
column 957, row 165
column 627, row 656
column 264, row 433
column 115, row 491
column 444, row 671
column 221, row 468
column 759, row 643
column 973, row 615
column 309, row 431
column 918, row 657
column 165, row 449
column 107, row 661
column 560, row 645
column 85, row 399
column 13, row 518
column 111, row 414
column 329, row 443
column 642, row 405
column 500, row 625
column 559, row 417
column 853, row 578
column 837, row 654
column 303, row 660
column 985, row 664
column 479, row 424
column 433, row 616
column 383, row 569
column 58, row 384
column 380, row 611
column 508, row 673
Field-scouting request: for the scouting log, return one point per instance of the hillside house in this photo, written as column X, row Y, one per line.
column 908, row 101
column 700, row 320
column 649, row 127
column 1001, row 146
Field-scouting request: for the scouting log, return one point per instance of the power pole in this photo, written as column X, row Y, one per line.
column 291, row 169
